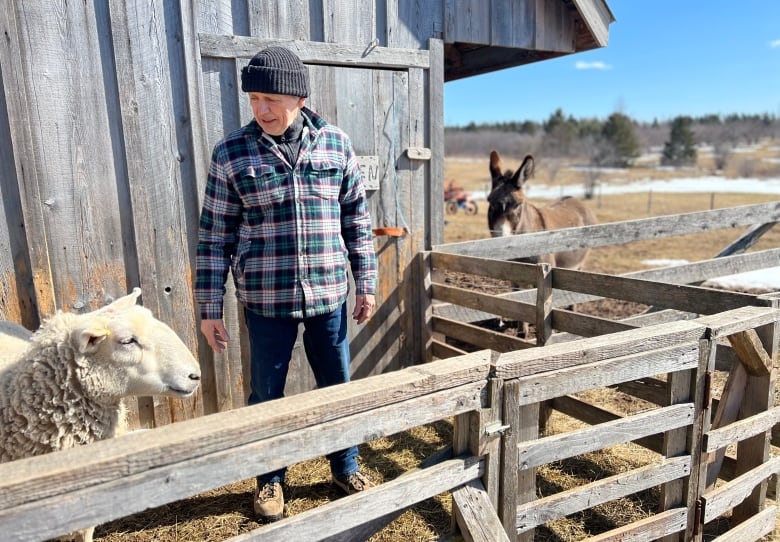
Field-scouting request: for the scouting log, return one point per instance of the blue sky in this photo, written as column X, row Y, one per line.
column 664, row 58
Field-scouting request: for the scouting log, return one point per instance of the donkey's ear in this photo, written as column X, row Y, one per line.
column 525, row 171
column 495, row 166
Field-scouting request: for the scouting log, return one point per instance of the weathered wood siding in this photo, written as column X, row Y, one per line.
column 108, row 115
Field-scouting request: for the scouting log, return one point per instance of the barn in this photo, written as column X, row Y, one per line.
column 110, row 110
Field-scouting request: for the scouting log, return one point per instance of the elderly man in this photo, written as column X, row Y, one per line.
column 285, row 208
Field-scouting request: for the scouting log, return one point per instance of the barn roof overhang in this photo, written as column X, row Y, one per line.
column 531, row 32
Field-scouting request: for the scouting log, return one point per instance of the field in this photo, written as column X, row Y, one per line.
column 227, row 511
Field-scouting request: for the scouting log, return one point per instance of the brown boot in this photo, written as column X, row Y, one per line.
column 269, row 502
column 354, row 483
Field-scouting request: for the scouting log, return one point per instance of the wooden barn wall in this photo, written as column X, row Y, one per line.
column 545, row 25
column 108, row 115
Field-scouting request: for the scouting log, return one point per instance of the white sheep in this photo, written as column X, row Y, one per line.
column 63, row 385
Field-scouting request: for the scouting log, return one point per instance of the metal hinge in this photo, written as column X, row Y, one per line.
column 698, row 517
column 495, row 427
column 707, row 390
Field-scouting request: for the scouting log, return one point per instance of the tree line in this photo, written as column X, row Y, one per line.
column 615, row 141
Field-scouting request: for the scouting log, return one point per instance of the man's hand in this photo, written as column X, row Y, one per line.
column 216, row 334
column 364, row 307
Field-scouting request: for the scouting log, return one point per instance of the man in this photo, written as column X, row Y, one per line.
column 285, row 208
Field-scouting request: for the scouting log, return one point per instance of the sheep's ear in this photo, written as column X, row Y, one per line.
column 88, row 340
column 124, row 302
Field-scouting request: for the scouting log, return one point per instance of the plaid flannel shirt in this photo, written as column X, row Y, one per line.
column 288, row 232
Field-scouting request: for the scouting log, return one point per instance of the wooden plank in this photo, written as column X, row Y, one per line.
column 340, row 18
column 555, row 28
column 726, row 412
column 550, row 384
column 751, row 352
column 476, row 516
column 679, row 389
column 589, row 495
column 281, row 20
column 411, row 23
column 488, row 303
column 17, row 293
column 417, row 180
column 221, row 113
column 435, row 118
column 754, row 528
column 754, row 451
column 467, row 21
column 511, row 480
column 594, row 349
column 533, row 244
column 478, row 336
column 194, row 179
column 35, row 477
column 592, row 414
column 543, row 319
column 153, row 155
column 597, row 17
column 365, row 530
column 516, row 272
column 443, row 350
column 310, row 52
column 727, row 496
column 646, row 529
column 513, row 24
column 584, row 325
column 488, row 444
column 338, row 516
column 739, row 319
column 581, row 441
column 24, row 178
column 653, row 293
column 740, row 430
column 78, row 198
column 95, row 502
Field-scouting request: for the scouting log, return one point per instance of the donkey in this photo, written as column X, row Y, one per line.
column 510, row 212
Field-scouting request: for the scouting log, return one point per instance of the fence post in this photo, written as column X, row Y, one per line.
column 507, row 506
column 543, row 303
column 689, row 386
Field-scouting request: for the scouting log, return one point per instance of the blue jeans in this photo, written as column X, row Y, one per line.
column 271, row 342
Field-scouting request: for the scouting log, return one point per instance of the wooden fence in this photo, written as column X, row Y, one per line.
column 494, row 397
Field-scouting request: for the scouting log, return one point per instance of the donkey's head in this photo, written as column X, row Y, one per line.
column 506, row 196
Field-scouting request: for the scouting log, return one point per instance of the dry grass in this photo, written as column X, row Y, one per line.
column 225, row 512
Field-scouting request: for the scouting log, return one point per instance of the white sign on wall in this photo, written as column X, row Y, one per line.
column 369, row 168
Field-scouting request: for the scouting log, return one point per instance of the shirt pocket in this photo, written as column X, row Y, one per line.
column 324, row 179
column 262, row 186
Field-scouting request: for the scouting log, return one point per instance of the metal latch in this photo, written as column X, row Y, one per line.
column 495, row 427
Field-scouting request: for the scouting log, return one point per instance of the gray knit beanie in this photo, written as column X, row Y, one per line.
column 276, row 70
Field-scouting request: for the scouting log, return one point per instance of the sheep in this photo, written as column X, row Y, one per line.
column 63, row 385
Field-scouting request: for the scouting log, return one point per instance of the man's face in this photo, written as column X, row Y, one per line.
column 275, row 112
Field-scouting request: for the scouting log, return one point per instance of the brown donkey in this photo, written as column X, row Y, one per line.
column 510, row 212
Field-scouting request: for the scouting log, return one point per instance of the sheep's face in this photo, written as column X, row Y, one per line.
column 129, row 352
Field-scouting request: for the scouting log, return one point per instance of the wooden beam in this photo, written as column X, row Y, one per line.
column 315, row 52
column 751, row 352
column 476, row 516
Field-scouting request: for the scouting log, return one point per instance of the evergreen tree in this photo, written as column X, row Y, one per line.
column 619, row 141
column 680, row 149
